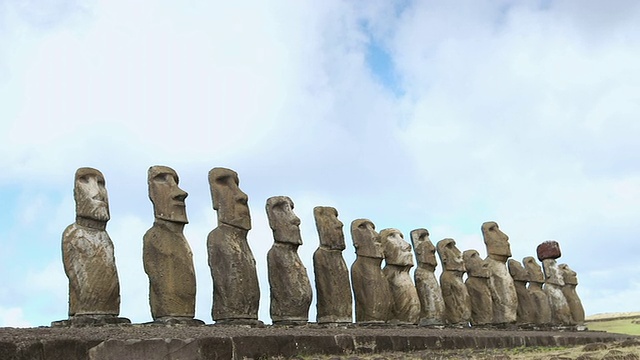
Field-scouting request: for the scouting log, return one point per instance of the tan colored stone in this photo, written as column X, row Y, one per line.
column 333, row 288
column 370, row 289
column 398, row 262
column 560, row 312
column 236, row 292
column 477, row 284
column 569, row 290
column 526, row 306
column 87, row 250
column 454, row 292
column 290, row 286
column 542, row 315
column 167, row 256
column 503, row 291
column 429, row 292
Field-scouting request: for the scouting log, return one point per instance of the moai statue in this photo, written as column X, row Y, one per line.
column 455, row 294
column 87, row 254
column 288, row 279
column 429, row 293
column 569, row 290
column 333, row 288
column 398, row 260
column 503, row 290
column 548, row 252
column 542, row 306
column 236, row 293
column 526, row 306
column 478, row 287
column 370, row 287
column 166, row 254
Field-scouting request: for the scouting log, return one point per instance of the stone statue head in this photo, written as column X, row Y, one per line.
column 475, row 265
column 90, row 194
column 534, row 271
column 552, row 274
column 496, row 241
column 283, row 221
column 166, row 196
column 366, row 239
column 423, row 247
column 517, row 271
column 569, row 276
column 329, row 227
column 228, row 200
column 450, row 255
column 396, row 250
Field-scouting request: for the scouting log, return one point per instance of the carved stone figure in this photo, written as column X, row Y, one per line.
column 333, row 288
column 503, row 290
column 167, row 256
column 560, row 312
column 478, row 287
column 88, row 256
column 569, row 290
column 236, row 293
column 454, row 292
column 370, row 287
column 398, row 261
column 429, row 293
column 526, row 306
column 542, row 313
column 288, row 279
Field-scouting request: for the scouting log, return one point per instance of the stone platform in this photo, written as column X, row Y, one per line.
column 123, row 342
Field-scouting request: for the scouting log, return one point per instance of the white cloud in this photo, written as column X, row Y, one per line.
column 13, row 317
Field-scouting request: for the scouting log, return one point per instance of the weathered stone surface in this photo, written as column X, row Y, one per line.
column 477, row 284
column 427, row 286
column 167, row 256
column 333, row 288
column 560, row 312
column 540, row 299
column 454, row 292
column 370, row 288
column 398, row 261
column 135, row 349
column 87, row 252
column 569, row 290
column 236, row 292
column 526, row 306
column 503, row 290
column 288, row 279
column 548, row 250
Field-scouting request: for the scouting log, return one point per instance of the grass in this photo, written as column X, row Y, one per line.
column 621, row 326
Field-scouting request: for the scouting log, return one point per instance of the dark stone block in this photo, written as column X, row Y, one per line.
column 260, row 347
column 308, row 344
column 8, row 350
column 64, row 350
column 216, row 348
column 144, row 349
column 548, row 250
column 31, row 351
column 345, row 342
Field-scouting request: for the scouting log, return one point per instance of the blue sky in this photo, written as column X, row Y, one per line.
column 413, row 114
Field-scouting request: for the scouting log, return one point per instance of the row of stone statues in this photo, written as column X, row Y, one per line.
column 492, row 293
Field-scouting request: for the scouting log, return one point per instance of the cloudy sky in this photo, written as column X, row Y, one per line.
column 433, row 114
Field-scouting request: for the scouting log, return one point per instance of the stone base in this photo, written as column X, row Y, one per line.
column 430, row 323
column 254, row 323
column 90, row 320
column 176, row 320
column 290, row 322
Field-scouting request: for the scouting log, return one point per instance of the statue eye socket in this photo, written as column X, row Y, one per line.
column 83, row 179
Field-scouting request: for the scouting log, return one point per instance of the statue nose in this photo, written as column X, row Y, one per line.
column 180, row 195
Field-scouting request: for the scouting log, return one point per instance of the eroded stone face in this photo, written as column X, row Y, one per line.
column 534, row 270
column 90, row 195
column 496, row 241
column 167, row 198
column 518, row 273
column 229, row 201
column 569, row 276
column 424, row 248
column 475, row 265
column 450, row 255
column 569, row 290
column 283, row 221
column 329, row 227
column 526, row 312
column 366, row 239
column 396, row 250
